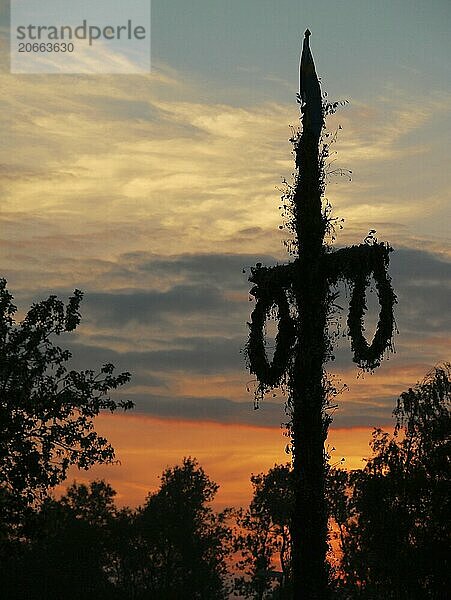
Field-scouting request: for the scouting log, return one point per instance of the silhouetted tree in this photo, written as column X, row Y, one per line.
column 393, row 516
column 256, row 546
column 174, row 547
column 128, row 560
column 263, row 538
column 47, row 410
column 67, row 549
column 82, row 547
column 300, row 296
column 341, row 513
column 397, row 542
column 185, row 540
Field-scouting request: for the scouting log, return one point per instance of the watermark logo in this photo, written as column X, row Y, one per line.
column 82, row 36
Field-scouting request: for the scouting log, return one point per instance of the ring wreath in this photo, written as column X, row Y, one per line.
column 270, row 373
column 367, row 355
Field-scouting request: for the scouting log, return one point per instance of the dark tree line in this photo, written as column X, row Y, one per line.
column 388, row 527
column 83, row 547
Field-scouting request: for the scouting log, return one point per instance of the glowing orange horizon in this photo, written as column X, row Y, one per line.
column 229, row 453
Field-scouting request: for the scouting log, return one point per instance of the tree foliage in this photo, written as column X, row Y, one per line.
column 46, row 409
column 64, row 549
column 388, row 523
column 185, row 541
column 83, row 547
column 394, row 514
column 263, row 538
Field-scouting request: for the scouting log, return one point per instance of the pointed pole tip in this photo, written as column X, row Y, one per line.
column 307, row 33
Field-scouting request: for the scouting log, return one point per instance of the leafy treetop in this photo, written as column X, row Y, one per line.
column 46, row 409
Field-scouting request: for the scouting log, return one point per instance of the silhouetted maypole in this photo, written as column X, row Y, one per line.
column 300, row 292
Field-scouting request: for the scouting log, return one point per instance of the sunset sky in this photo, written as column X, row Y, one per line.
column 152, row 193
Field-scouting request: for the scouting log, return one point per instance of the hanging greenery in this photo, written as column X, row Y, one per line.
column 270, row 291
column 356, row 265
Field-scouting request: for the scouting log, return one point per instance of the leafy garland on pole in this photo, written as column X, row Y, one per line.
column 356, row 265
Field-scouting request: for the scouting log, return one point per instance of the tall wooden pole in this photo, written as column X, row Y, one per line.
column 307, row 395
column 300, row 291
